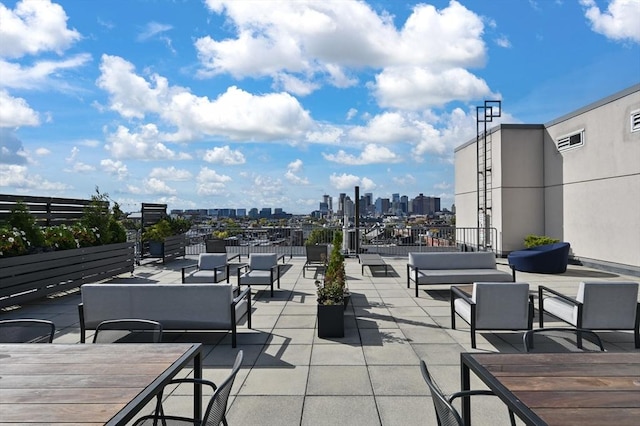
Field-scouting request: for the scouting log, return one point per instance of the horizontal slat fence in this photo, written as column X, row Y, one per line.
column 30, row 277
column 48, row 211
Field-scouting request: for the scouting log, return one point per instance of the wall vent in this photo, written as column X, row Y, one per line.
column 572, row 140
column 635, row 121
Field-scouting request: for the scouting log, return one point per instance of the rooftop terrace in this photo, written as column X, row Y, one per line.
column 369, row 377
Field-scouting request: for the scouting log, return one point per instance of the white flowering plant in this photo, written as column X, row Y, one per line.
column 13, row 242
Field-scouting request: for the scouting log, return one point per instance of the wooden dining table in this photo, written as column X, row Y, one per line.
column 580, row 388
column 88, row 383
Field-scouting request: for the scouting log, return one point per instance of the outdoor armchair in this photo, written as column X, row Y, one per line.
column 216, row 245
column 211, row 268
column 26, row 331
column 317, row 256
column 263, row 269
column 493, row 306
column 544, row 259
column 216, row 407
column 446, row 413
column 597, row 306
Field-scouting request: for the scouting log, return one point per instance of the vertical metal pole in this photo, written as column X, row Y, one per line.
column 357, row 220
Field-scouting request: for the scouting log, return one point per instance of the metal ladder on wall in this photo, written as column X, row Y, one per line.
column 485, row 114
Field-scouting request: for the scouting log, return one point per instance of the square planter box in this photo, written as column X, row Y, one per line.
column 330, row 321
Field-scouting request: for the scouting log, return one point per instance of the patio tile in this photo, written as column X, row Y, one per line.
column 397, row 380
column 339, row 380
column 390, row 354
column 340, row 410
column 337, row 355
column 265, row 410
column 284, row 355
column 296, row 321
column 406, row 410
column 265, row 380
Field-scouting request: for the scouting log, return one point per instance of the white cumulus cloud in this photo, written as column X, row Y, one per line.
column 621, row 20
column 224, row 155
column 371, row 154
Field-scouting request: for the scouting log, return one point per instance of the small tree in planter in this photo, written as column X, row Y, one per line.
column 164, row 228
column 331, row 293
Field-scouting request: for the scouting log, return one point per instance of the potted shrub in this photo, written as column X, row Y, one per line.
column 332, row 292
column 155, row 235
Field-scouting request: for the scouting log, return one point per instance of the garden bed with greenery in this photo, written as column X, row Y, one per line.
column 37, row 261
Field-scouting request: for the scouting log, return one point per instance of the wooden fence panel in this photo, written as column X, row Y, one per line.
column 29, row 277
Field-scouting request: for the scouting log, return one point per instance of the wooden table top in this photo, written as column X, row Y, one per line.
column 583, row 388
column 84, row 383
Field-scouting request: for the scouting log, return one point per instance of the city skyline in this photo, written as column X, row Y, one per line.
column 267, row 103
column 327, row 200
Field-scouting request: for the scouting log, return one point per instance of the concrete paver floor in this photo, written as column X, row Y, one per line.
column 370, row 377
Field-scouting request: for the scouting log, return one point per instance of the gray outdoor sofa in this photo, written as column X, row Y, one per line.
column 175, row 306
column 453, row 268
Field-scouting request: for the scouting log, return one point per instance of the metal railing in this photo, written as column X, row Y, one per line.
column 389, row 241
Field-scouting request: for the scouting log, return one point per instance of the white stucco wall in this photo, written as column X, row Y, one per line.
column 588, row 196
column 598, row 184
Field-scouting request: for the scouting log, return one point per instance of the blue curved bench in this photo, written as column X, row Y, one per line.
column 546, row 259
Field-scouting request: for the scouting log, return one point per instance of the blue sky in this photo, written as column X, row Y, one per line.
column 241, row 104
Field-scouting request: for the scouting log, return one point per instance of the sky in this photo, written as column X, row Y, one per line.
column 242, row 104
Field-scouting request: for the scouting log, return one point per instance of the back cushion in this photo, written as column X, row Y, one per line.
column 608, row 304
column 501, row 304
column 166, row 303
column 454, row 260
column 211, row 260
column 262, row 260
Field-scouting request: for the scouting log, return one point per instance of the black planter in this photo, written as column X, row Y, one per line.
column 330, row 321
column 156, row 248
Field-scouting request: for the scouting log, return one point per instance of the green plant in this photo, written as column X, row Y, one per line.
column 21, row 219
column 85, row 237
column 12, row 242
column 333, row 290
column 60, row 237
column 158, row 231
column 320, row 236
column 538, row 240
column 179, row 225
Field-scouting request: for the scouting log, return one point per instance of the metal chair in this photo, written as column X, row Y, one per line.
column 216, row 408
column 599, row 305
column 556, row 339
column 216, row 245
column 128, row 331
column 263, row 269
column 446, row 413
column 317, row 256
column 493, row 306
column 26, row 331
column 211, row 268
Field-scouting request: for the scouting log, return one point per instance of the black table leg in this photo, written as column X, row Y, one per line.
column 465, row 386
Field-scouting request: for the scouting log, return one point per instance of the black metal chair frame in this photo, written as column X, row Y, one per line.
column 47, row 330
column 443, row 405
column 543, row 289
column 132, row 325
column 317, row 256
column 214, row 245
column 456, row 293
column 274, row 274
column 216, row 408
column 528, row 340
